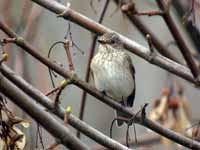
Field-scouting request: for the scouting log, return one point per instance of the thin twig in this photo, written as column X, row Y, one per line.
column 186, row 52
column 69, row 58
column 193, row 30
column 128, row 8
column 91, row 54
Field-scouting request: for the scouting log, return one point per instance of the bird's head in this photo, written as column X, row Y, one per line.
column 111, row 39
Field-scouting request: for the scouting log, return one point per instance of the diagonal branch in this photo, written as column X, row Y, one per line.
column 179, row 39
column 59, row 111
column 91, row 54
column 132, row 46
column 44, row 118
column 135, row 20
column 105, row 99
column 143, row 140
column 193, row 29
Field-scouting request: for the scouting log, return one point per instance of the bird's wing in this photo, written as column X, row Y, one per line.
column 131, row 97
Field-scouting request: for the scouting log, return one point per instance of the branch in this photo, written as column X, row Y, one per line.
column 135, row 20
column 193, row 30
column 105, row 99
column 179, row 39
column 132, row 46
column 143, row 140
column 44, row 118
column 91, row 54
column 59, row 111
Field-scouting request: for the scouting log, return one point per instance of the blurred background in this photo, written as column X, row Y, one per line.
column 42, row 28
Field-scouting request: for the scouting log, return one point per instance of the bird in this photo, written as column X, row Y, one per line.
column 113, row 72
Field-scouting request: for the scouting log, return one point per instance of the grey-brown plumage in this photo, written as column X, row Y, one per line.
column 113, row 71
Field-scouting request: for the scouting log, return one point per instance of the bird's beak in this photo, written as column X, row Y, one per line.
column 101, row 41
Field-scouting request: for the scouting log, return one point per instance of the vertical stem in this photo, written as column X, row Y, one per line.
column 91, row 54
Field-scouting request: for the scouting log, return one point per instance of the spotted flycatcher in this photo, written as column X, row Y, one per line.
column 113, row 72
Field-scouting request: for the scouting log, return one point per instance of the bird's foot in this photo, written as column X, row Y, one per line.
column 142, row 111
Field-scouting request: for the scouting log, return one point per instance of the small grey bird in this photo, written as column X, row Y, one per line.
column 113, row 71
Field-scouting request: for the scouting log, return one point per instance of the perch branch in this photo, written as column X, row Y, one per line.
column 143, row 141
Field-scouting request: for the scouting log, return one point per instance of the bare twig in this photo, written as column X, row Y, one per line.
column 135, row 20
column 67, row 50
column 191, row 12
column 91, row 54
column 179, row 39
column 193, row 30
column 39, row 136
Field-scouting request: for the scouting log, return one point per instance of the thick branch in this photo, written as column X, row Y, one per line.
column 132, row 46
column 135, row 20
column 107, row 100
column 44, row 118
column 59, row 111
column 179, row 39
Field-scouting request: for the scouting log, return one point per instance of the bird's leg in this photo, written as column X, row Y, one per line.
column 142, row 111
column 131, row 122
column 124, row 118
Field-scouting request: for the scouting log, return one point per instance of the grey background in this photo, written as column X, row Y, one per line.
column 150, row 79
